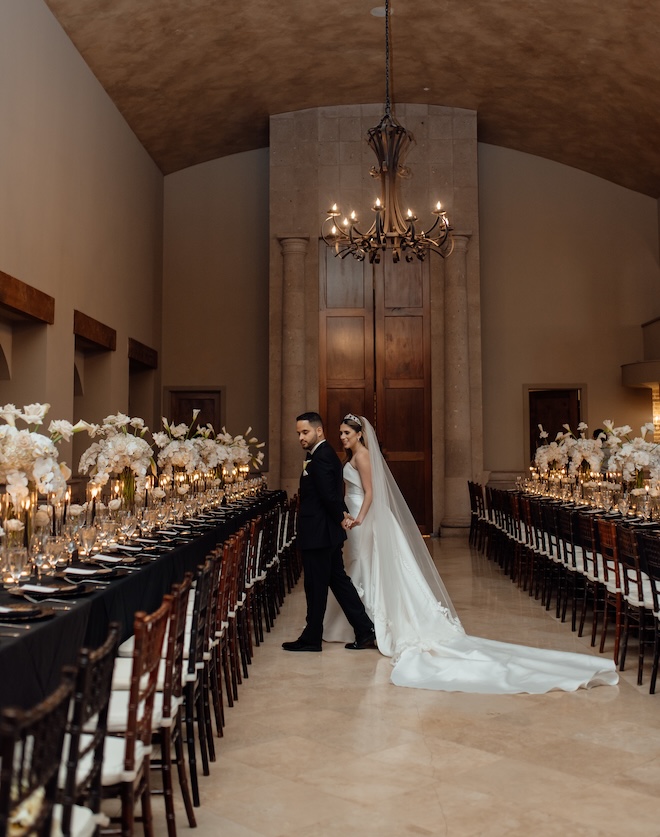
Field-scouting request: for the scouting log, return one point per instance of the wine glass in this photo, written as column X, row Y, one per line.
column 88, row 535
column 39, row 559
column 147, row 522
column 127, row 525
column 16, row 562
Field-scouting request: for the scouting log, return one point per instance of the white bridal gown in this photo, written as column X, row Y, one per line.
column 428, row 646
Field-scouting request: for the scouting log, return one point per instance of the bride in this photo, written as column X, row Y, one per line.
column 415, row 621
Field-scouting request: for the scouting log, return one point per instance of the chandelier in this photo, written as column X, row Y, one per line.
column 392, row 229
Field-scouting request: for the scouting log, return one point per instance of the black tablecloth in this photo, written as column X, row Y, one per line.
column 31, row 664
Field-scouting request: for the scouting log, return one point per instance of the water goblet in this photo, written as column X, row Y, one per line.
column 88, row 535
column 127, row 526
column 148, row 523
column 16, row 562
column 50, row 553
column 69, row 540
column 38, row 561
column 107, row 533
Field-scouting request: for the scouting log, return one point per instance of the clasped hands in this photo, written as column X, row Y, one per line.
column 349, row 522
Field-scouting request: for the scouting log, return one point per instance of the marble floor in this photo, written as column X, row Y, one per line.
column 322, row 745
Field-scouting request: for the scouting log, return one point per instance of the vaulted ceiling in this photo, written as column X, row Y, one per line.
column 576, row 82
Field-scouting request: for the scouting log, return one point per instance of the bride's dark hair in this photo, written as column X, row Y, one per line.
column 354, row 422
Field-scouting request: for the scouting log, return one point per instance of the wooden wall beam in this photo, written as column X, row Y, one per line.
column 94, row 332
column 141, row 353
column 21, row 298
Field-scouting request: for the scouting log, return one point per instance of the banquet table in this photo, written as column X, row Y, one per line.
column 32, row 653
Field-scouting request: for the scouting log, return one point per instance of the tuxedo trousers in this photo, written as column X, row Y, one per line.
column 324, row 570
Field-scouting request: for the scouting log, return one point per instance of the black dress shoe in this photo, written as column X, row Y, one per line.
column 301, row 645
column 366, row 641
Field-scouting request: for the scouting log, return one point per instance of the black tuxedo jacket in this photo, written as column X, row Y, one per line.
column 322, row 504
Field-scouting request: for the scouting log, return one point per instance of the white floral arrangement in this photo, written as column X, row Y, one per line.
column 211, row 451
column 241, row 449
column 632, row 456
column 178, row 451
column 583, row 452
column 121, row 448
column 570, row 451
column 550, row 456
column 28, row 457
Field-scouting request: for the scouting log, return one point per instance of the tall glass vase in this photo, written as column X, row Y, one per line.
column 127, row 489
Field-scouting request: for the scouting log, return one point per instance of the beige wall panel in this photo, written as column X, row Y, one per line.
column 569, row 272
column 215, row 287
column 81, row 209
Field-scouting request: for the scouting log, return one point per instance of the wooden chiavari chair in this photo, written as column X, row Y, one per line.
column 31, row 744
column 638, row 614
column 126, row 763
column 86, row 730
column 572, row 554
column 607, row 547
column 649, row 555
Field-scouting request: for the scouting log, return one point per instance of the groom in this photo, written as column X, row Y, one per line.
column 321, row 537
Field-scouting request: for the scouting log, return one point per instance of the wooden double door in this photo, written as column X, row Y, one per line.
column 375, row 361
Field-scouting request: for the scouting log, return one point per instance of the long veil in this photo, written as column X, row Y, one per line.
column 387, row 495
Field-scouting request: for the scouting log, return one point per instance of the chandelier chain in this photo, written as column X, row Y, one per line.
column 388, row 104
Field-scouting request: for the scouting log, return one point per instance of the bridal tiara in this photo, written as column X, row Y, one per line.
column 351, row 417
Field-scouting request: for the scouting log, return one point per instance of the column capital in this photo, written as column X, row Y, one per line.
column 461, row 241
column 294, row 244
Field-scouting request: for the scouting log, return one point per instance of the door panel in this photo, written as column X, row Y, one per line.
column 346, row 348
column 346, row 342
column 403, row 355
column 375, row 355
column 402, row 318
column 552, row 408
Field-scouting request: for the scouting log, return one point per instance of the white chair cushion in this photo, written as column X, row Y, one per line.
column 121, row 675
column 83, row 821
column 114, row 757
column 118, row 712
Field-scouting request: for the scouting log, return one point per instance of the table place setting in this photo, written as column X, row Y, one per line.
column 17, row 618
column 43, row 591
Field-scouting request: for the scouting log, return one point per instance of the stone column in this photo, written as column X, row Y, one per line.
column 458, row 441
column 294, row 250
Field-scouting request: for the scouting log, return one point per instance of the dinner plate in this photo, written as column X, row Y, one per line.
column 53, row 588
column 85, row 572
column 36, row 615
column 18, row 612
column 92, row 573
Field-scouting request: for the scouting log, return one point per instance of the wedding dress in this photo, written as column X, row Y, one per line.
column 415, row 622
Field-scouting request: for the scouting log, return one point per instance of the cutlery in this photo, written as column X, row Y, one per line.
column 60, row 601
column 15, row 626
column 8, row 634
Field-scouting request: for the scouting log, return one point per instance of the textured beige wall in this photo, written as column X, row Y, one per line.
column 80, row 214
column 215, row 286
column 569, row 272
